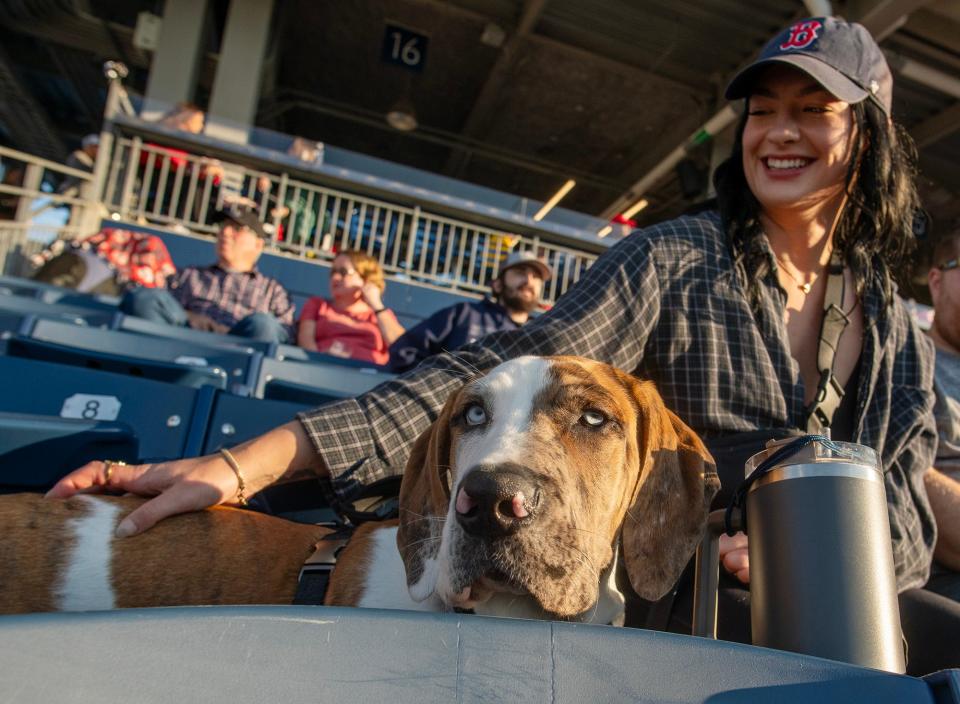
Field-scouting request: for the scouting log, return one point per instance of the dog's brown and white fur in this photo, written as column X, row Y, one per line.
column 516, row 501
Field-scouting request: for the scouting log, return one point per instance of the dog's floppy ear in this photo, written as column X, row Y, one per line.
column 424, row 498
column 668, row 513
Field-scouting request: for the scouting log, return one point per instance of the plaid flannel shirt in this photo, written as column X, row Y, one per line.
column 227, row 297
column 667, row 304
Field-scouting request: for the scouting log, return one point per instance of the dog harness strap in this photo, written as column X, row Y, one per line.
column 315, row 572
column 821, row 410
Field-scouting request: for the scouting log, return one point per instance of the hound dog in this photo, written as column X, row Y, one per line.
column 516, row 501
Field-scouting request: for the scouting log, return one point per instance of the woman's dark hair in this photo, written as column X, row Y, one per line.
column 874, row 234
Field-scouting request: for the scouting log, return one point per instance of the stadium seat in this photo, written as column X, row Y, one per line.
column 130, row 323
column 35, row 451
column 56, row 311
column 298, row 354
column 117, row 363
column 167, row 419
column 233, row 655
column 239, row 364
column 236, row 419
column 49, row 293
column 12, row 322
column 313, row 382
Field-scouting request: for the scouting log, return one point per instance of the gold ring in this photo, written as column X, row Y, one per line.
column 108, row 469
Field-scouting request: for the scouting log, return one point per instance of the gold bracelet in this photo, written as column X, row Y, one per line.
column 235, row 466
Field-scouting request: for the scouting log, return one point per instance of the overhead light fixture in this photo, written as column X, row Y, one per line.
column 635, row 208
column 402, row 116
column 605, row 231
column 550, row 204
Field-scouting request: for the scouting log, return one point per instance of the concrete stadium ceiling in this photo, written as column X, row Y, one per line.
column 521, row 95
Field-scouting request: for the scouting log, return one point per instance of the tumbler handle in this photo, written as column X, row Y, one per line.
column 707, row 577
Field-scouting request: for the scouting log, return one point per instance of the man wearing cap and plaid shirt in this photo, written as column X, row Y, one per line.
column 516, row 292
column 231, row 296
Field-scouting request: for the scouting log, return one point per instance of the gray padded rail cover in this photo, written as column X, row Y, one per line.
column 316, row 654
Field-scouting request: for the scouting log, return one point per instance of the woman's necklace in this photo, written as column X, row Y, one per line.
column 805, row 287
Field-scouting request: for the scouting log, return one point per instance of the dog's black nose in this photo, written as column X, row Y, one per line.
column 495, row 501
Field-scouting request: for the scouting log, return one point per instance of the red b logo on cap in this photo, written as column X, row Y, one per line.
column 802, row 35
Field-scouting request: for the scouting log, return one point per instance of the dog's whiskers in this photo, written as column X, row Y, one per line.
column 422, row 540
column 588, row 563
column 475, row 370
column 421, row 517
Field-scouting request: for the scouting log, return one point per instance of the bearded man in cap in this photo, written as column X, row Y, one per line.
column 515, row 294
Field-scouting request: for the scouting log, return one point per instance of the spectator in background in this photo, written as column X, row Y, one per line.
column 81, row 159
column 300, row 208
column 943, row 480
column 231, row 296
column 186, row 117
column 107, row 262
column 515, row 294
column 13, row 174
column 354, row 323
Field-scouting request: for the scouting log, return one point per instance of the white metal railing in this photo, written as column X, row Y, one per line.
column 140, row 177
column 152, row 183
column 33, row 192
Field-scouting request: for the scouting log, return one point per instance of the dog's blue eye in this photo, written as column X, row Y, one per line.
column 593, row 418
column 475, row 415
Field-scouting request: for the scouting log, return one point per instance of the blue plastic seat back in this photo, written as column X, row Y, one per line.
column 314, row 382
column 168, row 419
column 57, row 311
column 298, row 354
column 239, row 364
column 331, row 654
column 126, row 365
column 11, row 322
column 236, row 419
column 49, row 293
column 129, row 323
column 36, row 451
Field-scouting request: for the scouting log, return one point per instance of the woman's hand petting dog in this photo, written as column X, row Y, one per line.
column 179, row 486
column 196, row 483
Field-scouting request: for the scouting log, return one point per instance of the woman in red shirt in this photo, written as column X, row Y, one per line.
column 354, row 323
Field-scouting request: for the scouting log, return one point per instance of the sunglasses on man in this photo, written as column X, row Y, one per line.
column 951, row 264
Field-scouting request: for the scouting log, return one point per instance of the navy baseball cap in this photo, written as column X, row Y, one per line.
column 244, row 217
column 841, row 56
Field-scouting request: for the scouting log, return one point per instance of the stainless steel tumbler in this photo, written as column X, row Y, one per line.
column 821, row 563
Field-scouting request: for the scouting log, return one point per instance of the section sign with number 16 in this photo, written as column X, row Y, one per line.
column 404, row 48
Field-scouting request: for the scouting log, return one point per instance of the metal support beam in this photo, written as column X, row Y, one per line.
column 236, row 88
column 708, row 130
column 883, row 17
column 934, row 129
column 482, row 109
column 173, row 71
